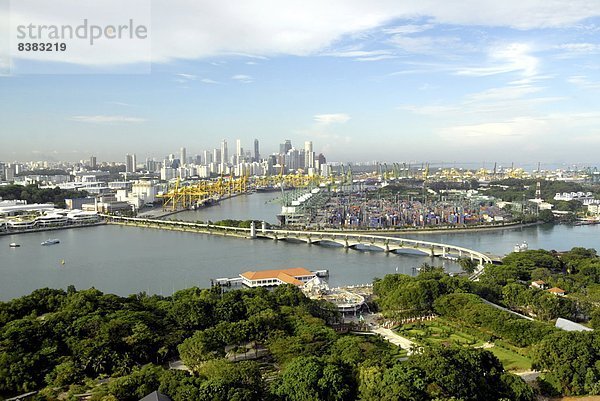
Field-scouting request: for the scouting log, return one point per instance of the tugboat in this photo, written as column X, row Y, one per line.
column 51, row 241
column 14, row 245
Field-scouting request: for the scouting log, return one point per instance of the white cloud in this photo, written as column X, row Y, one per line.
column 209, row 81
column 376, row 58
column 431, row 110
column 358, row 53
column 408, row 29
column 193, row 29
column 515, row 57
column 335, row 118
column 104, row 119
column 526, row 131
column 188, row 77
column 583, row 82
column 570, row 50
column 246, row 79
column 427, row 44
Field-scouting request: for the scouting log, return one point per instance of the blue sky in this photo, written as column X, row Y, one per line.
column 480, row 81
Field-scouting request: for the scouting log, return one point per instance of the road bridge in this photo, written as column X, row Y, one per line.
column 347, row 240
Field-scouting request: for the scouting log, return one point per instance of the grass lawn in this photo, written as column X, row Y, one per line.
column 439, row 331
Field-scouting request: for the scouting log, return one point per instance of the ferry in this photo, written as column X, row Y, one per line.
column 51, row 242
column 14, row 245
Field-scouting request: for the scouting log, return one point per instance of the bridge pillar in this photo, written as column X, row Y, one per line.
column 252, row 230
column 444, row 251
column 263, row 227
column 346, row 245
column 387, row 246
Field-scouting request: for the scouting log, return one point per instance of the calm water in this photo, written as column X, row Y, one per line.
column 258, row 206
column 127, row 260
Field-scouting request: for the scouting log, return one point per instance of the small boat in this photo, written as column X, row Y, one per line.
column 521, row 247
column 14, row 245
column 51, row 242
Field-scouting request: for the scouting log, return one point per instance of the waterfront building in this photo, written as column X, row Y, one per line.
column 297, row 276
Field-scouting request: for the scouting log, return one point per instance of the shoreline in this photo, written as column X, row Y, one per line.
column 419, row 231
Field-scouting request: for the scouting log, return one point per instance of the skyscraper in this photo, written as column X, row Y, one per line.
column 224, row 153
column 182, row 156
column 217, row 156
column 238, row 148
column 208, row 157
column 309, row 155
column 256, row 151
column 130, row 163
column 285, row 147
column 93, row 162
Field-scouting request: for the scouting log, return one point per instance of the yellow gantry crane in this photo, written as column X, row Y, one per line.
column 189, row 195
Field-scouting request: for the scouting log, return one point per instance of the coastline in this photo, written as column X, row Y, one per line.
column 419, row 231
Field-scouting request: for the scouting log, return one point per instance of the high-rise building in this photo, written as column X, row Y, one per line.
column 256, row 151
column 309, row 155
column 224, row 153
column 238, row 148
column 217, row 156
column 130, row 163
column 93, row 162
column 208, row 157
column 285, row 147
column 182, row 156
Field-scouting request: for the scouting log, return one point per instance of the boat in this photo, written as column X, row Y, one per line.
column 51, row 241
column 14, row 245
column 521, row 247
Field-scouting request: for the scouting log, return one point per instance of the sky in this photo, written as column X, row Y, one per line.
column 469, row 81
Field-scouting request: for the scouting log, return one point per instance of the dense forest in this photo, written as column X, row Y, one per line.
column 34, row 194
column 256, row 344
column 71, row 342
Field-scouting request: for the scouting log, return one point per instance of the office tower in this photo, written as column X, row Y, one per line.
column 150, row 165
column 285, row 147
column 182, row 156
column 93, row 161
column 208, row 157
column 309, row 155
column 224, row 153
column 130, row 163
column 256, row 151
column 217, row 156
column 238, row 148
column 198, row 160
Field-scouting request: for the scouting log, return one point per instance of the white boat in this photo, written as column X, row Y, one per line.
column 521, row 247
column 14, row 245
column 51, row 241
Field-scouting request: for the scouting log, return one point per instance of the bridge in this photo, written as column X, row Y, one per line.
column 347, row 240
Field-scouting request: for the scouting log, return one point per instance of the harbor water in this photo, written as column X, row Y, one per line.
column 125, row 260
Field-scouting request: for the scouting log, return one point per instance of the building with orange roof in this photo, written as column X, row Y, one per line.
column 297, row 276
column 557, row 291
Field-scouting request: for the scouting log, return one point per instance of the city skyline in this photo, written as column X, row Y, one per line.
column 433, row 81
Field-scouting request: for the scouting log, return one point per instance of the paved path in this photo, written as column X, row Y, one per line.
column 507, row 310
column 396, row 339
column 529, row 375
